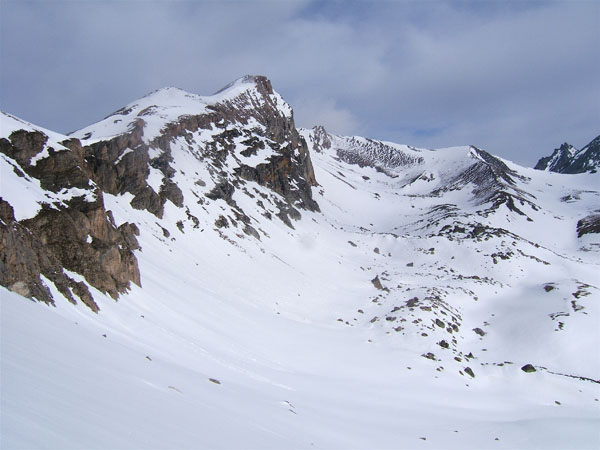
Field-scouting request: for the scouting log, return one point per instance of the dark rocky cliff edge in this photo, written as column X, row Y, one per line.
column 79, row 237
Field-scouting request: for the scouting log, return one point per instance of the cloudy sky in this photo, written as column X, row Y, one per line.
column 517, row 78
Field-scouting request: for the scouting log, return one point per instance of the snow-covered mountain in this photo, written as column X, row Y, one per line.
column 568, row 159
column 289, row 288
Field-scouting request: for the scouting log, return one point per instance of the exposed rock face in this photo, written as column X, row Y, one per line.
column 321, row 140
column 61, row 169
column 589, row 224
column 374, row 154
column 558, row 161
column 493, row 181
column 238, row 123
column 76, row 234
column 121, row 165
column 363, row 152
column 105, row 258
column 244, row 134
column 587, row 159
column 289, row 172
column 567, row 159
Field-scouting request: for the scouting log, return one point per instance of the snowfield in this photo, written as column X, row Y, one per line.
column 288, row 341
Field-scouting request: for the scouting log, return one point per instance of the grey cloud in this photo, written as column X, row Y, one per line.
column 326, row 112
column 514, row 78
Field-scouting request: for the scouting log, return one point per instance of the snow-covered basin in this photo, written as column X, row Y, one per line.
column 138, row 375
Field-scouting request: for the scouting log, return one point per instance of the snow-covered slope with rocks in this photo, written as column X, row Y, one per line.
column 296, row 289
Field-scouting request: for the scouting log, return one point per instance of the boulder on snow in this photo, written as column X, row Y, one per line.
column 528, row 368
column 470, row 372
column 377, row 283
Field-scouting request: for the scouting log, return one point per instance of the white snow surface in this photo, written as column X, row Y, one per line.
column 232, row 342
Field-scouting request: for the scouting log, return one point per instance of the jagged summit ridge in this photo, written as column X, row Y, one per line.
column 568, row 159
column 430, row 172
column 364, row 151
column 167, row 105
column 560, row 158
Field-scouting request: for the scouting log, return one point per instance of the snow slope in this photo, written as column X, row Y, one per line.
column 166, row 105
column 286, row 342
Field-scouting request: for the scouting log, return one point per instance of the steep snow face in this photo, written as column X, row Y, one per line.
column 398, row 315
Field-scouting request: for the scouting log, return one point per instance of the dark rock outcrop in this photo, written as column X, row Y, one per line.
column 528, row 368
column 377, row 283
column 76, row 234
column 321, row 140
column 59, row 169
column 85, row 241
column 558, row 161
column 290, row 172
column 587, row 159
column 589, row 224
column 567, row 159
column 121, row 164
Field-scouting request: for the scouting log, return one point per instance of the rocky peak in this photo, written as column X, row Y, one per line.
column 559, row 160
column 256, row 120
column 568, row 159
column 149, row 149
column 499, row 170
column 567, row 149
column 135, row 143
column 252, row 96
column 587, row 159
